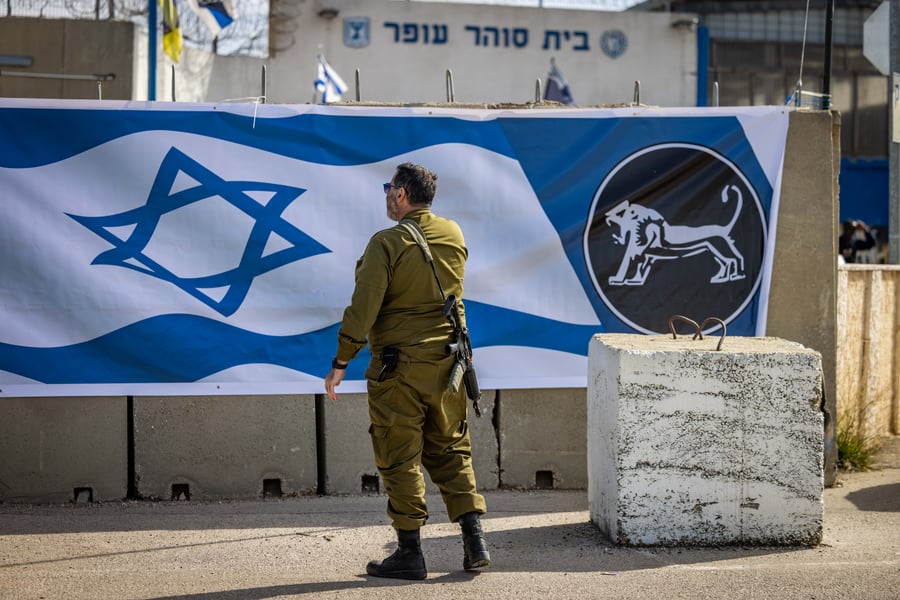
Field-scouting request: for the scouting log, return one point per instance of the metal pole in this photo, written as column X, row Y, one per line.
column 65, row 76
column 262, row 84
column 702, row 65
column 449, row 81
column 151, row 50
column 321, row 448
column 829, row 43
column 894, row 142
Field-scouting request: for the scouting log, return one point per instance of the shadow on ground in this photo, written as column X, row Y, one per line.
column 881, row 498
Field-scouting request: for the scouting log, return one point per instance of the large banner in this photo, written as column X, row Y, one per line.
column 176, row 249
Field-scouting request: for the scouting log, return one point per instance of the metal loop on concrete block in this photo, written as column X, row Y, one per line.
column 698, row 328
column 720, row 322
column 692, row 322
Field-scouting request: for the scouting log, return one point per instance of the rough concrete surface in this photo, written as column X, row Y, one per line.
column 224, row 447
column 52, row 448
column 687, row 444
column 542, row 543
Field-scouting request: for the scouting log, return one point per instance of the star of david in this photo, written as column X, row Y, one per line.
column 129, row 253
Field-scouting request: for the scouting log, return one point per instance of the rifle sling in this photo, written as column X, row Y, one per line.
column 413, row 228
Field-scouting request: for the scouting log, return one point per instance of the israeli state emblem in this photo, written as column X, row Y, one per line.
column 356, row 32
column 613, row 43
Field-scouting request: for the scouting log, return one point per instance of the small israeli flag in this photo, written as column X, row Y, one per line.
column 557, row 86
column 329, row 83
column 216, row 15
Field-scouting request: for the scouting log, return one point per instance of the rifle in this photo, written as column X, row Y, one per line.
column 462, row 348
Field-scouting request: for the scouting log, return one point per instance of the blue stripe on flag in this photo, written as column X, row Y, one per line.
column 171, row 349
column 495, row 326
column 324, row 139
column 187, row 348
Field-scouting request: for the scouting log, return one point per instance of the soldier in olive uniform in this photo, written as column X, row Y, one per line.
column 416, row 420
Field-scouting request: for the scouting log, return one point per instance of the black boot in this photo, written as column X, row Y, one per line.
column 406, row 562
column 476, row 552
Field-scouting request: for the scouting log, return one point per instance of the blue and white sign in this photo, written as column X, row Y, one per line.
column 357, row 32
column 182, row 249
column 614, row 43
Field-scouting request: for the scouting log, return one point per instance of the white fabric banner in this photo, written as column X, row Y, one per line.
column 181, row 249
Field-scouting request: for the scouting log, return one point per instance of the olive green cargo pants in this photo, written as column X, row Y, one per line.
column 416, row 422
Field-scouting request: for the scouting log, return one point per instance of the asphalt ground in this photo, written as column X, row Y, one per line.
column 542, row 545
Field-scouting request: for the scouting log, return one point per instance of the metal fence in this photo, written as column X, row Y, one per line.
column 610, row 5
column 248, row 35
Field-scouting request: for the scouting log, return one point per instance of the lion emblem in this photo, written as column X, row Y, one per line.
column 647, row 238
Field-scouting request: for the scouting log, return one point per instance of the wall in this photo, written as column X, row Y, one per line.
column 63, row 449
column 67, row 47
column 495, row 53
column 868, row 349
column 229, row 447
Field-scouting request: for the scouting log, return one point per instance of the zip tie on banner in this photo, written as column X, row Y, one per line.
column 257, row 100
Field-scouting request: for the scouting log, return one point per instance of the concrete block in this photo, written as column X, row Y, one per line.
column 543, row 438
column 348, row 447
column 51, row 447
column 224, row 446
column 485, row 442
column 803, row 265
column 692, row 446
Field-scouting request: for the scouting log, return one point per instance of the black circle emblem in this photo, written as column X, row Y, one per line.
column 675, row 229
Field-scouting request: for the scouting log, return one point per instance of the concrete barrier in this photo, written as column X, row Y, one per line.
column 542, row 438
column 802, row 299
column 350, row 467
column 224, row 447
column 63, row 449
column 692, row 446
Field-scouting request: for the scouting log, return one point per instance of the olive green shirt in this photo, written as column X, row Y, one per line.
column 397, row 301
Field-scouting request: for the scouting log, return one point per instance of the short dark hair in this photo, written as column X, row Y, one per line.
column 420, row 183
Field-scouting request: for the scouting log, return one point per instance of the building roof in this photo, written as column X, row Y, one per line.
column 726, row 6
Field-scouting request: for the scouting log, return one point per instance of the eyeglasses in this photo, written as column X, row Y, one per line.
column 388, row 187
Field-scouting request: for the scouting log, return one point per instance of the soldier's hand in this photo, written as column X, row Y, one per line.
column 332, row 380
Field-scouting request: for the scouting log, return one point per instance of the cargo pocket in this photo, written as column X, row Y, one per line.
column 380, row 449
column 382, row 400
column 377, row 390
column 460, row 435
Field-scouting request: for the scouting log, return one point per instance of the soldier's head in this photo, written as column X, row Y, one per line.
column 420, row 183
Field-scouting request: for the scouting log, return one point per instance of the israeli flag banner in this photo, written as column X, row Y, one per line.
column 196, row 249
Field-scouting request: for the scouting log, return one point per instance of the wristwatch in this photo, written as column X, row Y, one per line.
column 336, row 365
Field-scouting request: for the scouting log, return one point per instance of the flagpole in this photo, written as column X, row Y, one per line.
column 151, row 50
